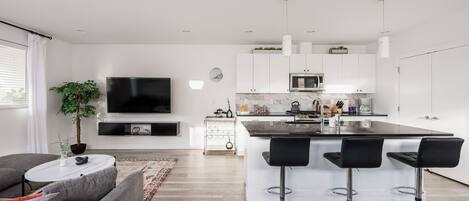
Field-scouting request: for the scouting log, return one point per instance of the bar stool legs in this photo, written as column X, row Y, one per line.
column 283, row 190
column 349, row 184
column 282, row 183
column 418, row 184
column 349, row 192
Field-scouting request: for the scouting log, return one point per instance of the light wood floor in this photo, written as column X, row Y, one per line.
column 220, row 178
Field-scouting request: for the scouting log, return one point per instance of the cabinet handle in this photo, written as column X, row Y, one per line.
column 434, row 118
column 426, row 117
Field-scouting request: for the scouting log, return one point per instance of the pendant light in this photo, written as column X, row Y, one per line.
column 383, row 40
column 286, row 38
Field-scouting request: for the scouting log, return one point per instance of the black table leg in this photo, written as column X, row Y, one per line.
column 23, row 181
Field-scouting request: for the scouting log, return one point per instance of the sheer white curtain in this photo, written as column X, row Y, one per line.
column 37, row 106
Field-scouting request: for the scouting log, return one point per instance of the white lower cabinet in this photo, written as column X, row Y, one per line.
column 432, row 95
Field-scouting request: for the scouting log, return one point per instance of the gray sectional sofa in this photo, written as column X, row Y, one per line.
column 12, row 169
column 98, row 186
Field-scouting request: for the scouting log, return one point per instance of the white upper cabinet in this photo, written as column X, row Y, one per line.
column 269, row 73
column 314, row 63
column 261, row 81
column 298, row 63
column 332, row 66
column 244, row 73
column 367, row 73
column 279, row 73
column 306, row 63
column 349, row 73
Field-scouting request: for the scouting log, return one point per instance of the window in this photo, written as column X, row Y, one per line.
column 12, row 76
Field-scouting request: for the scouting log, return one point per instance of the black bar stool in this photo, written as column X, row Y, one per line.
column 286, row 152
column 356, row 153
column 432, row 153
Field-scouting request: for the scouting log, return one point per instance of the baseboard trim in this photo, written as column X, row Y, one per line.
column 428, row 170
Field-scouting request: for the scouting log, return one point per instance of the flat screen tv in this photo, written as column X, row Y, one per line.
column 138, row 95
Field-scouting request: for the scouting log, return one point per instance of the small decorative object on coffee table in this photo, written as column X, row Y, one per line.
column 52, row 171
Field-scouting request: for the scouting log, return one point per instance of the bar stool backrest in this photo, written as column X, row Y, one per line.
column 362, row 152
column 439, row 152
column 289, row 151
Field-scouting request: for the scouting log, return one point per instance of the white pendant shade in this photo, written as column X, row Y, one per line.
column 286, row 45
column 196, row 84
column 383, row 47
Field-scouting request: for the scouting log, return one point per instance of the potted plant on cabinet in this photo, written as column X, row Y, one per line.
column 76, row 99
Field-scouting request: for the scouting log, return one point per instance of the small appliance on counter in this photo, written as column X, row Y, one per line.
column 295, row 107
column 366, row 105
column 219, row 113
column 261, row 109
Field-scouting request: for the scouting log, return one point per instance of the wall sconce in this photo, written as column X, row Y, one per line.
column 196, row 84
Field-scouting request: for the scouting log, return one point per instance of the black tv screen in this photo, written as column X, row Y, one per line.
column 138, row 95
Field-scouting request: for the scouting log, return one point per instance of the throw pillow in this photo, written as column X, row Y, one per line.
column 88, row 187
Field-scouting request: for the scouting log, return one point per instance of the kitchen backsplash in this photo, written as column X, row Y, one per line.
column 282, row 102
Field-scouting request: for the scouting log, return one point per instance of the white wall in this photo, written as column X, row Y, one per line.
column 14, row 121
column 438, row 33
column 59, row 69
column 179, row 62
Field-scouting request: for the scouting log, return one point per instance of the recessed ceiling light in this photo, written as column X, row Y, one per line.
column 186, row 31
column 81, row 31
column 310, row 31
column 248, row 31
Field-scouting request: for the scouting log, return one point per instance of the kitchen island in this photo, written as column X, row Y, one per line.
column 314, row 181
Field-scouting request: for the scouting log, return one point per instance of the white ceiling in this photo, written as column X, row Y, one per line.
column 219, row 21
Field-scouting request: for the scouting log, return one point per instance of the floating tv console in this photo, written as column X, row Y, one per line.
column 138, row 128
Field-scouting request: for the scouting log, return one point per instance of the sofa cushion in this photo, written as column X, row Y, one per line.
column 25, row 162
column 89, row 187
column 9, row 177
column 130, row 189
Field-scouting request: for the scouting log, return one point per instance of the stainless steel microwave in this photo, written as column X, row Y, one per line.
column 306, row 82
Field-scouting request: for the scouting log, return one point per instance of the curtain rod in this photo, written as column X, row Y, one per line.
column 28, row 30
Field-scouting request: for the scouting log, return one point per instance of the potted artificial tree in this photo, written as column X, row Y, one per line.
column 76, row 99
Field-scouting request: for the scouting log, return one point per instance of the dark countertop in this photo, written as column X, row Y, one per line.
column 272, row 114
column 348, row 129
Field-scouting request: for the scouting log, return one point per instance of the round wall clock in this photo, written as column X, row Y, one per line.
column 216, row 74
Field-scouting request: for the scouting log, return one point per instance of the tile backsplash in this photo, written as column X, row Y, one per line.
column 282, row 102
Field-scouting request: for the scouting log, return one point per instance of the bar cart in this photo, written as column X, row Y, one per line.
column 220, row 135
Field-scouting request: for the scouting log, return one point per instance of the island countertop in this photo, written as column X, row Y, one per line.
column 347, row 129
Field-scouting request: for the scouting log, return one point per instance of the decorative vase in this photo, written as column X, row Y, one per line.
column 78, row 149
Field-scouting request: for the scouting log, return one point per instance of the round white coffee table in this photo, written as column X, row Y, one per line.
column 52, row 171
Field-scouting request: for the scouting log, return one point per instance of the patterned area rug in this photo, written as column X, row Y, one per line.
column 154, row 173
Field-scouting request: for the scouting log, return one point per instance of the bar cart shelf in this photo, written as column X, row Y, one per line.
column 220, row 133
